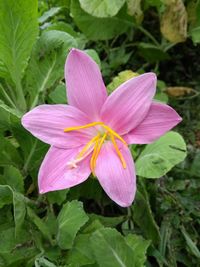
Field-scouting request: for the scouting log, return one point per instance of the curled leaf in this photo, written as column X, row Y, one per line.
column 174, row 21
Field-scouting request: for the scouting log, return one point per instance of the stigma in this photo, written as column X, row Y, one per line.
column 95, row 144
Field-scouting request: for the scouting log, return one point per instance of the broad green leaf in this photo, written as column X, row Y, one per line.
column 47, row 63
column 159, row 157
column 19, row 29
column 139, row 247
column 81, row 252
column 102, row 8
column 5, row 195
column 143, row 216
column 110, row 249
column 108, row 221
column 70, row 219
column 58, row 95
column 195, row 170
column 13, row 177
column 57, row 196
column 107, row 27
column 174, row 22
column 152, row 53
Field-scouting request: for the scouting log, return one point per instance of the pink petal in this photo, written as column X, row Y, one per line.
column 127, row 106
column 118, row 183
column 55, row 174
column 160, row 119
column 47, row 122
column 85, row 86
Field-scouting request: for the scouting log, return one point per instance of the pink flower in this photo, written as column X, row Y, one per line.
column 93, row 132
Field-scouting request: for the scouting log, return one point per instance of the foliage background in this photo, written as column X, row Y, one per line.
column 81, row 226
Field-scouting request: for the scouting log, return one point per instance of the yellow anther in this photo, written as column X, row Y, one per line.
column 69, row 129
column 93, row 155
column 118, row 151
column 87, row 146
column 97, row 141
column 96, row 152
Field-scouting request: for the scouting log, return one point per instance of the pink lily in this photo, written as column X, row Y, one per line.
column 93, row 132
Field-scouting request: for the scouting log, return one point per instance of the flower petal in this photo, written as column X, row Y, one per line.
column 85, row 86
column 55, row 174
column 160, row 119
column 127, row 106
column 118, row 183
column 47, row 122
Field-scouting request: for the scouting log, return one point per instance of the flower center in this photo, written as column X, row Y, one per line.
column 96, row 143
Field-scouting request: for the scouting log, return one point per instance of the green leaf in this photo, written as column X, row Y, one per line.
column 5, row 195
column 159, row 157
column 192, row 246
column 70, row 219
column 81, row 252
column 13, row 177
column 48, row 14
column 9, row 154
column 40, row 224
column 10, row 110
column 143, row 216
column 110, row 249
column 57, row 196
column 152, row 53
column 58, row 95
column 47, row 63
column 102, row 8
column 19, row 211
column 8, row 196
column 19, row 29
column 93, row 54
column 107, row 27
column 139, row 247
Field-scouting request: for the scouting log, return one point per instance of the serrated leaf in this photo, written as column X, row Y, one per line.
column 107, row 27
column 159, row 157
column 102, row 8
column 174, row 22
column 47, row 63
column 70, row 219
column 110, row 249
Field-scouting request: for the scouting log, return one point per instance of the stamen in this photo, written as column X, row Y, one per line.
column 96, row 152
column 114, row 133
column 87, row 146
column 118, row 151
column 93, row 155
column 69, row 129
